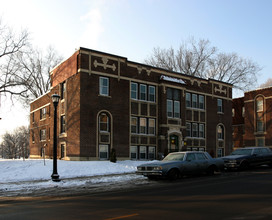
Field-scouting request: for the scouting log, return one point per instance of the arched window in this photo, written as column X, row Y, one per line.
column 259, row 114
column 103, row 122
column 220, row 132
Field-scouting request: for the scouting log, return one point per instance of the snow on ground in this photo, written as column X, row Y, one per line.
column 29, row 175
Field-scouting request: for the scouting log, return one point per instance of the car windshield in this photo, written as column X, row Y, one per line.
column 174, row 157
column 242, row 152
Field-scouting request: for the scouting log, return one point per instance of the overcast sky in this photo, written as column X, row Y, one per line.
column 132, row 28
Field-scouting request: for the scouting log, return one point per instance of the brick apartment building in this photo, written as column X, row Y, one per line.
column 252, row 119
column 141, row 111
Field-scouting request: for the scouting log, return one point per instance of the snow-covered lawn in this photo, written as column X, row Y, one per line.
column 28, row 175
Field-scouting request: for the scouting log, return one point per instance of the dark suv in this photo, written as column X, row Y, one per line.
column 244, row 158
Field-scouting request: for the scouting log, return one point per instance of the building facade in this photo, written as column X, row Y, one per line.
column 143, row 112
column 252, row 119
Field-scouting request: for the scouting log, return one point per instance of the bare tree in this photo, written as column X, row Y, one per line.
column 15, row 144
column 266, row 84
column 33, row 74
column 202, row 60
column 10, row 45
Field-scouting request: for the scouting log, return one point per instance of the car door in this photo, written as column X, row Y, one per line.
column 190, row 165
column 257, row 157
column 202, row 162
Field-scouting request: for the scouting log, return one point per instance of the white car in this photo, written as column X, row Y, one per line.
column 177, row 164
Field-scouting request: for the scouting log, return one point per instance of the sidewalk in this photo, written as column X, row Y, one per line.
column 70, row 186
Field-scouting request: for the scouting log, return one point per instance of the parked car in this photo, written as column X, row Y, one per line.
column 244, row 158
column 174, row 165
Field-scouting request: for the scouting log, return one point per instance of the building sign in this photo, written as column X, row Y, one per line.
column 171, row 79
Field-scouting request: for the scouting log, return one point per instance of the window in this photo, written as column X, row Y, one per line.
column 142, row 125
column 173, row 103
column 195, row 129
column 188, row 130
column 43, row 135
column 151, row 126
column 62, row 90
column 33, row 117
column 134, row 90
column 201, row 131
column 134, row 125
column 151, row 153
column 62, row 124
column 33, row 136
column 259, row 104
column 104, row 86
column 220, row 152
column 219, row 105
column 133, row 152
column 201, row 102
column 62, row 150
column 142, row 92
column 188, row 100
column 151, row 94
column 176, row 109
column 233, row 112
column 142, row 152
column 103, row 122
column 169, row 108
column 260, row 126
column 194, row 101
column 42, row 113
column 103, row 152
column 220, row 132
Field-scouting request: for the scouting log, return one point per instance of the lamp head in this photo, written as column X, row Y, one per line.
column 55, row 98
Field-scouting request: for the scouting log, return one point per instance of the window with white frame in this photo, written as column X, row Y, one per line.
column 151, row 93
column 201, row 102
column 201, row 130
column 176, row 109
column 219, row 105
column 103, row 152
column 42, row 134
column 151, row 153
column 143, row 94
column 260, row 114
column 151, row 126
column 142, row 125
column 62, row 124
column 134, row 125
column 188, row 100
column 133, row 152
column 195, row 129
column 220, row 132
column 173, row 103
column 43, row 113
column 104, row 86
column 134, row 90
column 188, row 129
column 143, row 152
column 194, row 101
column 169, row 108
column 103, row 122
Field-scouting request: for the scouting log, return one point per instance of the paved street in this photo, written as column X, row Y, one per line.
column 232, row 195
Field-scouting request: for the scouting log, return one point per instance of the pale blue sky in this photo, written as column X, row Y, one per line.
column 132, row 28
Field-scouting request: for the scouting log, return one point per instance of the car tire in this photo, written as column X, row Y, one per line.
column 210, row 171
column 173, row 174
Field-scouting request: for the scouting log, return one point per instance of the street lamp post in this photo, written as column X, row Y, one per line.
column 55, row 175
